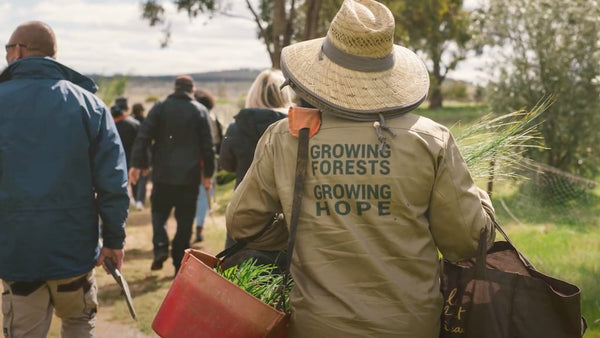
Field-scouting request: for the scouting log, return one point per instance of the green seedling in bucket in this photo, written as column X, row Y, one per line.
column 260, row 281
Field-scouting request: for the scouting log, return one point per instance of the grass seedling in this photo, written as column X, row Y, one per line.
column 260, row 281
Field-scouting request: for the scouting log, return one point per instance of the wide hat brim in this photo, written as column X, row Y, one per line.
column 329, row 86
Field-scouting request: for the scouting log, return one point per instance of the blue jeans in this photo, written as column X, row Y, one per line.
column 164, row 198
column 202, row 205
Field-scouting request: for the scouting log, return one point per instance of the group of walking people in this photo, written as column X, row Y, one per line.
column 385, row 189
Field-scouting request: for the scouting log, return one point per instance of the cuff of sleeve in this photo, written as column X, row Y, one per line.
column 113, row 243
column 486, row 202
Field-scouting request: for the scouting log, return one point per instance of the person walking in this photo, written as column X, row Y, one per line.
column 204, row 196
column 128, row 128
column 137, row 112
column 62, row 168
column 385, row 189
column 178, row 131
column 138, row 190
column 265, row 103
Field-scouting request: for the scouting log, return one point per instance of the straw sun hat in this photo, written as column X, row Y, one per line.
column 356, row 71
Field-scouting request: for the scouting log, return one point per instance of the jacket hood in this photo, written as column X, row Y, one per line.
column 254, row 121
column 249, row 117
column 46, row 67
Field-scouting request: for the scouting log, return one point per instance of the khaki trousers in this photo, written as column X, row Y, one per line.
column 27, row 306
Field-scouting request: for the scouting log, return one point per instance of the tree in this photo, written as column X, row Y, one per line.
column 111, row 88
column 437, row 28
column 276, row 20
column 549, row 47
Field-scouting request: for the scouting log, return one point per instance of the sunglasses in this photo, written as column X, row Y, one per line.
column 7, row 47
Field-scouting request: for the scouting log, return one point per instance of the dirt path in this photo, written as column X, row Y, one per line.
column 110, row 329
column 107, row 328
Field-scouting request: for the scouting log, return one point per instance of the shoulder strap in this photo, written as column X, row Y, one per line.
column 303, row 123
column 241, row 243
column 302, row 160
column 303, row 129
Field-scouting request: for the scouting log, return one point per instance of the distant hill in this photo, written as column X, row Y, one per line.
column 229, row 87
column 239, row 75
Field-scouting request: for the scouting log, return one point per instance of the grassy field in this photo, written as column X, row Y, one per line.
column 555, row 245
column 454, row 114
column 560, row 241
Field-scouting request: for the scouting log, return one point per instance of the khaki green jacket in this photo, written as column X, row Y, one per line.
column 365, row 261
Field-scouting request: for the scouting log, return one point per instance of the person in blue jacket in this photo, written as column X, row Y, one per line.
column 62, row 171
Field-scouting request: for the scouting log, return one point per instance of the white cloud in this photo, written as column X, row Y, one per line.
column 108, row 37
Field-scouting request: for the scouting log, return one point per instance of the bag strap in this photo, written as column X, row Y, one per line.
column 241, row 243
column 301, row 163
column 521, row 256
column 497, row 226
column 481, row 255
column 482, row 251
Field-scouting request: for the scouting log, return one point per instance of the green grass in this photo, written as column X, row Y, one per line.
column 567, row 254
column 561, row 242
column 454, row 115
column 260, row 281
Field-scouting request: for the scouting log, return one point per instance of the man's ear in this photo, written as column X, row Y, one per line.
column 21, row 52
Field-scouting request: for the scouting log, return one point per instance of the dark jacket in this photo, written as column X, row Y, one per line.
column 62, row 166
column 178, row 131
column 237, row 148
column 128, row 128
column 139, row 118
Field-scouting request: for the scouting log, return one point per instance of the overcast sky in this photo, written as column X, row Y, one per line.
column 108, row 37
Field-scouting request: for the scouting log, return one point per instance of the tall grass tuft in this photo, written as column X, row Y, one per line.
column 259, row 281
column 493, row 146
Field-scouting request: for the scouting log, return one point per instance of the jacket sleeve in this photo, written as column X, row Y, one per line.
column 110, row 182
column 226, row 155
column 459, row 211
column 255, row 201
column 206, row 146
column 139, row 152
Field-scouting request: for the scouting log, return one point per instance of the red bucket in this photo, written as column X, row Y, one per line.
column 202, row 303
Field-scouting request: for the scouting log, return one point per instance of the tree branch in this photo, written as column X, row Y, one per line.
column 263, row 32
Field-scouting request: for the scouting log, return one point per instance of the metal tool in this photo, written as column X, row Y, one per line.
column 122, row 283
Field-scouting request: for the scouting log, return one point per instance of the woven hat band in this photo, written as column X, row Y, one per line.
column 356, row 62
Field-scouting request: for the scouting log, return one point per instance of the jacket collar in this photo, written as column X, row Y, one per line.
column 179, row 94
column 45, row 67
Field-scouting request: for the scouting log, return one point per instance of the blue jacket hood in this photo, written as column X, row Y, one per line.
column 46, row 67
